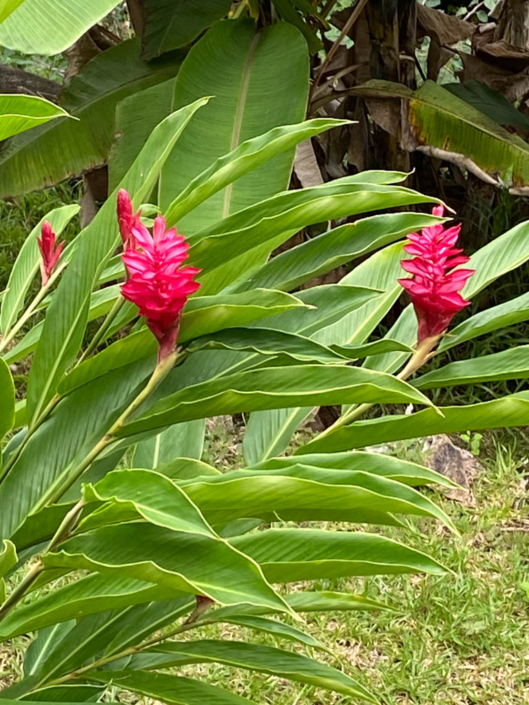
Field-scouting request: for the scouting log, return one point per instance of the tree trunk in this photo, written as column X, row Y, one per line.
column 21, row 82
column 513, row 24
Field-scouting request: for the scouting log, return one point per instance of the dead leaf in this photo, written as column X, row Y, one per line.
column 446, row 29
column 306, row 165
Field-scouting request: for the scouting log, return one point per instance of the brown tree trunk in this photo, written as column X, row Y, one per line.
column 513, row 24
column 17, row 81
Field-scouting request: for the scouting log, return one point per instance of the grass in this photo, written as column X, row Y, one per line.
column 455, row 640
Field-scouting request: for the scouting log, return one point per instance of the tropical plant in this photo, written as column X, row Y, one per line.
column 117, row 538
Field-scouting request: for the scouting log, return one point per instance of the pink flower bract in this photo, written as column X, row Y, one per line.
column 157, row 283
column 48, row 251
column 435, row 284
column 127, row 219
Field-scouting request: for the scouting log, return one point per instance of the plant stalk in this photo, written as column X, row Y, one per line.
column 31, row 308
column 421, row 355
column 103, row 329
column 160, row 373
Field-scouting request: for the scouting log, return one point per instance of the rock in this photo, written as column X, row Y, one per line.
column 458, row 464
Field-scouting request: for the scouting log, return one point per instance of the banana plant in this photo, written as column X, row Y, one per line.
column 116, row 537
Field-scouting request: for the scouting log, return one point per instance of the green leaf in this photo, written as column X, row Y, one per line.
column 252, row 657
column 492, row 104
column 7, row 400
column 136, row 117
column 505, row 412
column 100, row 304
column 50, row 26
column 7, row 7
column 85, row 596
column 265, row 341
column 508, row 364
column 153, row 496
column 19, row 113
column 500, row 316
column 246, row 157
column 334, row 248
column 186, row 468
column 288, row 555
column 187, row 562
column 8, row 557
column 502, row 255
column 287, row 213
column 202, row 315
column 66, row 319
column 272, row 388
column 173, row 690
column 183, row 440
column 299, row 492
column 88, row 413
column 27, row 265
column 171, row 25
column 244, row 70
column 65, row 147
column 271, row 626
column 331, row 602
column 376, row 463
column 65, row 694
column 44, row 643
column 268, row 433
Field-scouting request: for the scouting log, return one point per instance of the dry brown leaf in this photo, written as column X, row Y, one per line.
column 306, row 165
column 446, row 29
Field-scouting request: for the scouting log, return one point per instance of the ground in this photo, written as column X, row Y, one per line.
column 454, row 640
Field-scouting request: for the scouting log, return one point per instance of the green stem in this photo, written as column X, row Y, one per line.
column 31, row 430
column 30, row 309
column 421, row 355
column 103, row 329
column 131, row 650
column 56, row 399
column 20, row 591
column 63, row 532
column 161, row 371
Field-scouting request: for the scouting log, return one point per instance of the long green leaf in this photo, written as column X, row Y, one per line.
column 307, row 493
column 288, row 555
column 506, row 412
column 383, row 465
column 274, row 388
column 173, row 690
column 184, row 440
column 88, row 595
column 171, row 25
column 66, row 319
column 327, row 202
column 503, row 315
column 7, row 400
column 253, row 657
column 333, row 248
column 19, row 113
column 246, row 157
column 50, row 26
column 188, row 562
column 508, row 364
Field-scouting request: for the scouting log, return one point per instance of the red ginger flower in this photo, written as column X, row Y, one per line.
column 158, row 284
column 435, row 283
column 127, row 219
column 49, row 253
